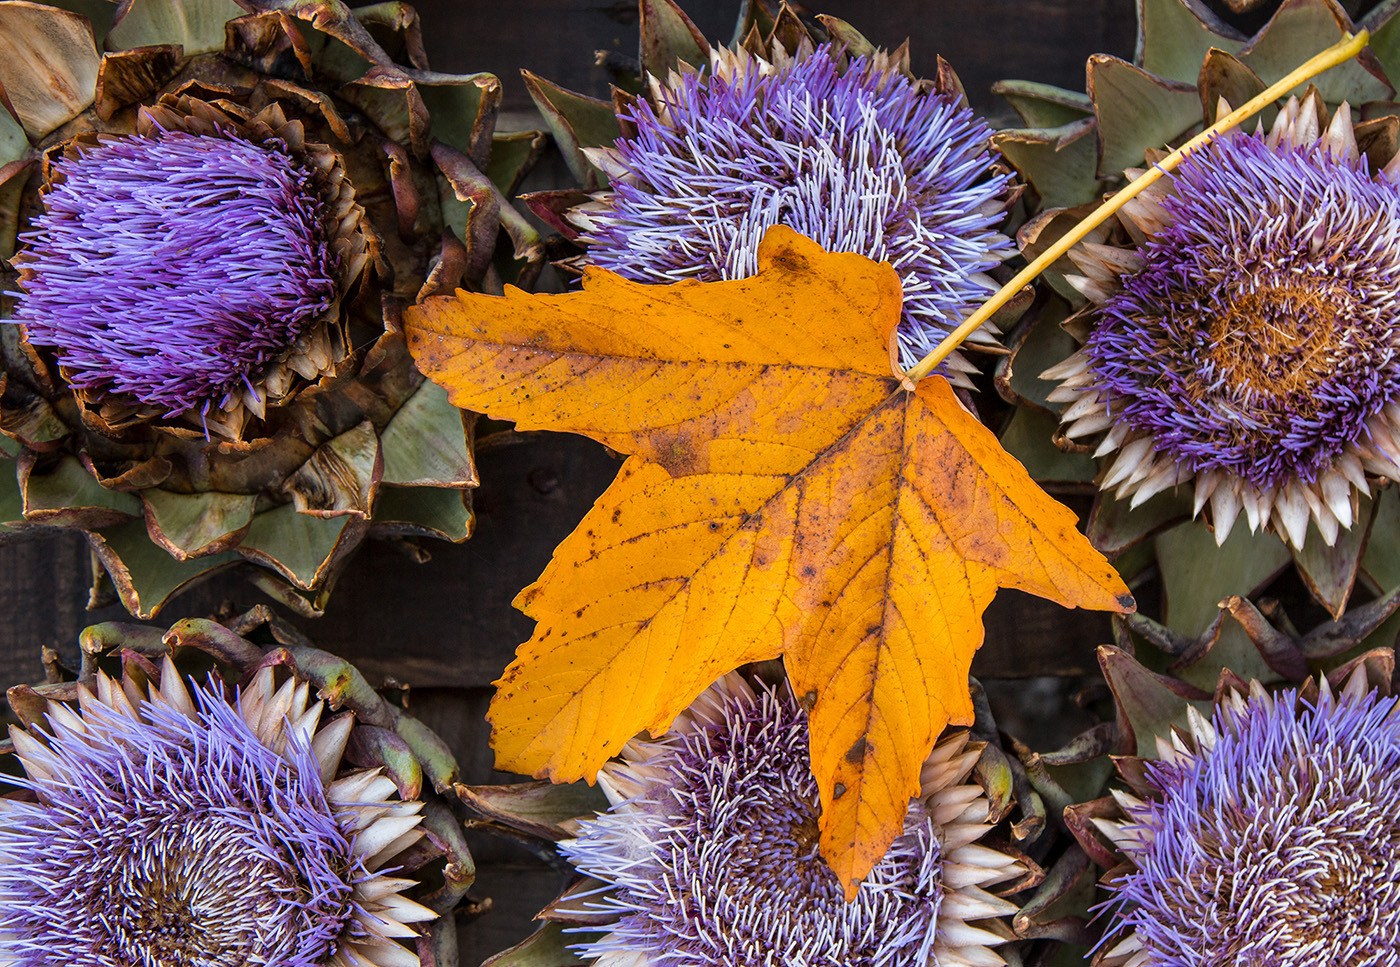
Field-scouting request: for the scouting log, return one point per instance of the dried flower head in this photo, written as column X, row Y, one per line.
column 859, row 158
column 1269, row 838
column 1249, row 342
column 710, row 853
column 176, row 828
column 172, row 267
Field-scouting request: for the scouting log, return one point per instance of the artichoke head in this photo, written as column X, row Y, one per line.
column 330, row 434
column 251, row 740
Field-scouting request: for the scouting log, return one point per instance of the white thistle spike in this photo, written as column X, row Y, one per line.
column 1201, row 729
column 1336, row 494
column 1225, row 507
column 1113, row 439
column 1356, row 685
column 1128, row 461
column 172, row 689
column 255, row 696
column 389, row 955
column 394, row 847
column 382, row 833
column 64, row 718
column 945, row 956
column 1339, row 138
column 1090, row 424
column 329, row 744
column 1163, row 477
column 1292, row 513
column 1071, row 366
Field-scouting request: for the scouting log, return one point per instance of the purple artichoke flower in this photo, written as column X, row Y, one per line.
column 709, row 854
column 175, row 828
column 859, row 158
column 1250, row 342
column 173, row 268
column 1269, row 838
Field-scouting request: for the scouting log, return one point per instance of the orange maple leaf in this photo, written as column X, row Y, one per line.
column 786, row 495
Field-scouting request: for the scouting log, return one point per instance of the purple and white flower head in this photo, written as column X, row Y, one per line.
column 1267, row 836
column 855, row 155
column 172, row 268
column 709, row 857
column 171, row 826
column 1246, row 338
column 192, row 272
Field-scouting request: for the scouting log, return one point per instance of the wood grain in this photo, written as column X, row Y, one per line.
column 1044, row 40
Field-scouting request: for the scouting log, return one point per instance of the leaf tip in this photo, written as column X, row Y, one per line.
column 785, row 246
column 1126, row 603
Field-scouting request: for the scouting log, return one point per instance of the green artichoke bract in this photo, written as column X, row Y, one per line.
column 1076, row 144
column 184, row 798
column 211, row 219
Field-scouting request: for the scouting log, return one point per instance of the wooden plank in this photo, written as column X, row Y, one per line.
column 985, row 42
column 449, row 622
column 43, row 594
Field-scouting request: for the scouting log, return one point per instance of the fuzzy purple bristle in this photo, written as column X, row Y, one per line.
column 171, row 268
column 1279, row 846
column 177, row 841
column 1263, row 329
column 860, row 161
column 717, row 864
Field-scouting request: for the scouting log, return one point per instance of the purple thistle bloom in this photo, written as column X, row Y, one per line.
column 188, row 831
column 170, row 269
column 711, row 853
column 1273, row 843
column 1262, row 331
column 1247, row 332
column 859, row 160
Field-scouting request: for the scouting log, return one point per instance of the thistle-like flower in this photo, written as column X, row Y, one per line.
column 853, row 154
column 173, row 268
column 709, row 854
column 1265, row 836
column 1247, row 341
column 216, row 215
column 173, row 826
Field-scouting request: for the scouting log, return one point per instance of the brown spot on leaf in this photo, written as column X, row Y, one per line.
column 856, row 752
column 680, row 452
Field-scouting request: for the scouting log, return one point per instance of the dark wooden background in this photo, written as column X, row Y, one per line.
column 445, row 628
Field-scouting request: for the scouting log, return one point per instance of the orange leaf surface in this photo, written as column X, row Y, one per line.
column 786, row 495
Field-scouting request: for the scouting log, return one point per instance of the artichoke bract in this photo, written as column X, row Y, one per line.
column 800, row 122
column 186, row 799
column 212, row 215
